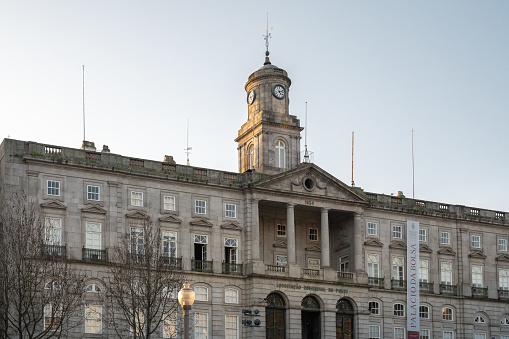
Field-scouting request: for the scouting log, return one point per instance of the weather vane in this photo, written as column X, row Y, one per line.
column 266, row 38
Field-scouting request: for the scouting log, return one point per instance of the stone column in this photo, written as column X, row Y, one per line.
column 357, row 243
column 255, row 230
column 325, row 238
column 290, row 224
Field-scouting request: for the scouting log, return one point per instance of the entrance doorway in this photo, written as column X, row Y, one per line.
column 344, row 320
column 310, row 318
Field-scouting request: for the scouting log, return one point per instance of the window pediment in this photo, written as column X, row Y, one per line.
column 201, row 222
column 341, row 245
column 93, row 209
column 425, row 248
column 373, row 242
column 54, row 204
column 171, row 219
column 502, row 257
column 314, row 248
column 137, row 215
column 397, row 245
column 232, row 225
column 280, row 244
column 477, row 254
column 446, row 251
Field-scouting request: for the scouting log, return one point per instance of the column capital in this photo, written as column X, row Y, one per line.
column 290, row 205
column 324, row 209
column 254, row 200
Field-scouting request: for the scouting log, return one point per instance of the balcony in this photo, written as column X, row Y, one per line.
column 448, row 289
column 89, row 254
column 202, row 266
column 503, row 294
column 345, row 276
column 312, row 273
column 276, row 268
column 136, row 258
column 426, row 287
column 376, row 282
column 53, row 251
column 398, row 285
column 479, row 292
column 172, row 263
column 234, row 269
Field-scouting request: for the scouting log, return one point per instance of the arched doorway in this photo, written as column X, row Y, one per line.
column 275, row 317
column 310, row 318
column 344, row 320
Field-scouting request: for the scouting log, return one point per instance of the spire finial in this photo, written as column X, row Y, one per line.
column 266, row 38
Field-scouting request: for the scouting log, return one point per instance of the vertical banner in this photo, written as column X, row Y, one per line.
column 412, row 278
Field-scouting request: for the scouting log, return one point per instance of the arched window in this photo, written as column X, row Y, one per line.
column 201, row 293
column 275, row 317
column 231, row 296
column 447, row 313
column 479, row 320
column 424, row 312
column 52, row 285
column 374, row 307
column 93, row 288
column 399, row 310
column 280, row 154
column 344, row 319
column 250, row 157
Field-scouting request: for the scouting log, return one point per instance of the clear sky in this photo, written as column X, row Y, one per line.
column 378, row 68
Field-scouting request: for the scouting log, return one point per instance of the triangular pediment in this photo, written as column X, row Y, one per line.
column 502, row 257
column 446, row 251
column 425, row 248
column 55, row 204
column 93, row 209
column 477, row 254
column 201, row 222
column 311, row 179
column 170, row 218
column 232, row 225
column 314, row 248
column 280, row 244
column 398, row 245
column 340, row 246
column 137, row 215
column 373, row 242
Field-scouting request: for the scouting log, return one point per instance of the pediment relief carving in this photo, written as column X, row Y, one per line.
column 93, row 209
column 170, row 218
column 137, row 215
column 201, row 222
column 477, row 254
column 502, row 257
column 280, row 244
column 373, row 242
column 232, row 225
column 54, row 204
column 314, row 248
column 397, row 245
column 341, row 246
column 425, row 248
column 446, row 251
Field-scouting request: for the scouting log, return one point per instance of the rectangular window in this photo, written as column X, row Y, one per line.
column 201, row 329
column 53, row 231
column 503, row 279
column 93, row 314
column 200, row 207
column 424, row 334
column 422, row 235
column 231, row 327
column 344, row 264
column 448, row 335
column 476, row 241
column 93, row 193
column 53, row 187
column 169, row 203
column 374, row 307
column 138, row 326
column 445, row 238
column 313, row 234
column 137, row 199
column 230, row 211
column 398, row 268
column 399, row 333
column 137, row 240
column 446, row 273
column 502, row 245
column 93, row 235
column 397, row 231
column 170, row 325
column 169, row 243
column 423, row 270
column 281, row 260
column 373, row 271
column 281, row 231
column 52, row 317
column 374, row 332
column 372, row 228
column 477, row 280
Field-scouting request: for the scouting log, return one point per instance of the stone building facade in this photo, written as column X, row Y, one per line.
column 316, row 257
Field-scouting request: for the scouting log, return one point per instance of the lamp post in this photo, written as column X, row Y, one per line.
column 186, row 300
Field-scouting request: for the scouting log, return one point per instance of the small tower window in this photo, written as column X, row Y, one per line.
column 280, row 154
column 250, row 157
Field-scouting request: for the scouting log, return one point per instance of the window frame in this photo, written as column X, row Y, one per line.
column 448, row 332
column 232, row 212
column 55, row 190
column 423, row 270
column 398, row 310
column 445, row 241
column 371, row 334
column 504, row 246
column 475, row 241
column 168, row 204
column 372, row 228
column 198, row 295
column 446, row 315
column 50, row 231
column 200, row 210
column 169, row 237
column 372, row 268
column 398, row 335
column 196, row 326
column 374, row 306
column 281, row 231
column 89, row 193
column 87, row 318
column 170, row 321
column 234, row 299
column 236, row 328
column 424, row 312
column 313, row 233
column 446, row 273
column 397, row 234
column 280, row 154
column 92, row 236
column 425, row 235
column 479, row 276
column 281, row 262
column 136, row 199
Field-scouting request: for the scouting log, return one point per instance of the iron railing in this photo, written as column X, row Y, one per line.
column 398, row 285
column 53, row 251
column 376, row 282
column 172, row 262
column 479, row 292
column 229, row 268
column 89, row 254
column 448, row 289
column 202, row 265
column 426, row 287
column 503, row 294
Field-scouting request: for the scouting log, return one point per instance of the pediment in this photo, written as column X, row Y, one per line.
column 231, row 225
column 397, row 245
column 55, row 204
column 502, row 257
column 93, row 209
column 446, row 251
column 137, row 215
column 477, row 254
column 314, row 248
column 341, row 246
column 280, row 244
column 373, row 242
column 311, row 179
column 170, row 218
column 201, row 222
column 425, row 248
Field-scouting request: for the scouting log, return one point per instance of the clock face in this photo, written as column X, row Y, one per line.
column 251, row 96
column 279, row 91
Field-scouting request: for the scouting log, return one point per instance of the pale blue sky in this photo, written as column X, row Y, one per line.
column 379, row 68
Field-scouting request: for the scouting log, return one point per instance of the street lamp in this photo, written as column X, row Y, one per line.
column 186, row 300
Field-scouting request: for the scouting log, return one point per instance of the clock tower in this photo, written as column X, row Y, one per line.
column 269, row 142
